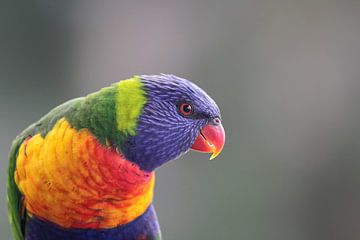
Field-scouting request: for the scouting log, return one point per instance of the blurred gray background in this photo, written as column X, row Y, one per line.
column 286, row 75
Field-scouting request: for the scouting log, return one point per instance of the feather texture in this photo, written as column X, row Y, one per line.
column 71, row 180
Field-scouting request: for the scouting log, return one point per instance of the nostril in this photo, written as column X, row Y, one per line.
column 216, row 121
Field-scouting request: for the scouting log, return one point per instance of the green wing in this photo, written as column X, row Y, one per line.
column 16, row 212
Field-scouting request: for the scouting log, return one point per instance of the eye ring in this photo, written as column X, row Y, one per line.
column 186, row 109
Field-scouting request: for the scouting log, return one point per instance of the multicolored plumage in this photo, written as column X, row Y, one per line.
column 86, row 169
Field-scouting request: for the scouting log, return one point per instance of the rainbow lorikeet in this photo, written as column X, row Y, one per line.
column 85, row 171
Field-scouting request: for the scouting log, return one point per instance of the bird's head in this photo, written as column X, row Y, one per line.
column 163, row 116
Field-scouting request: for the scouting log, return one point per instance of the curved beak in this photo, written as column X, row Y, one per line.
column 211, row 139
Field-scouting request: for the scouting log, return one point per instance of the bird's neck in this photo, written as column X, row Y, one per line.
column 83, row 183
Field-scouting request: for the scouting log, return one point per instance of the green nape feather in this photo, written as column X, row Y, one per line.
column 99, row 112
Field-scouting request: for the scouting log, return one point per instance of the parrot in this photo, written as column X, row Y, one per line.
column 86, row 169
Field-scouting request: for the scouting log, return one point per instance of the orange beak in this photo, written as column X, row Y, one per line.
column 211, row 139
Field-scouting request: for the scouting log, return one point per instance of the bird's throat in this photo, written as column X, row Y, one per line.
column 70, row 179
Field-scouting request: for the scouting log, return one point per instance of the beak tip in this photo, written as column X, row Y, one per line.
column 214, row 155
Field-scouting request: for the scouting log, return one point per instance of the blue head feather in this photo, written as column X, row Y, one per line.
column 163, row 134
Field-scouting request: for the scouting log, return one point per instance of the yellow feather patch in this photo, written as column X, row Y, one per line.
column 130, row 100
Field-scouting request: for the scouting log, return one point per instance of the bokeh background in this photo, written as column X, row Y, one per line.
column 285, row 73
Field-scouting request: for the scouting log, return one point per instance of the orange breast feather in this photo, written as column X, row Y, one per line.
column 70, row 179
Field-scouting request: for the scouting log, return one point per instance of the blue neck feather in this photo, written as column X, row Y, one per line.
column 145, row 227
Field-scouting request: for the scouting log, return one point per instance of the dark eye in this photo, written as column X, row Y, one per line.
column 186, row 109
